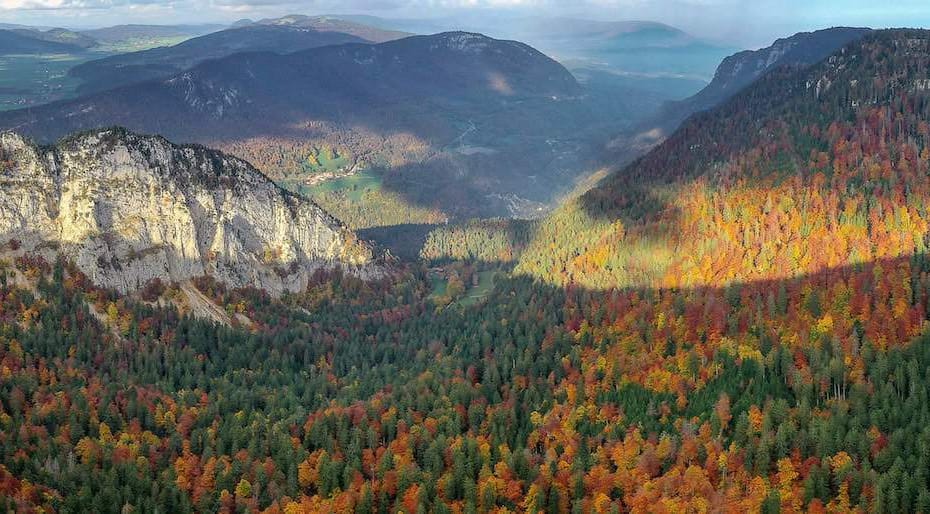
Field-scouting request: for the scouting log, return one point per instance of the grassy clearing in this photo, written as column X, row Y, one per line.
column 354, row 186
column 481, row 291
column 472, row 296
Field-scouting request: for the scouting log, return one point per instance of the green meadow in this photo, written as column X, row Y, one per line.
column 353, row 186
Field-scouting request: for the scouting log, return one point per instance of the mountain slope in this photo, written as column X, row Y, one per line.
column 742, row 69
column 59, row 35
column 806, row 169
column 459, row 116
column 24, row 42
column 128, row 209
column 119, row 70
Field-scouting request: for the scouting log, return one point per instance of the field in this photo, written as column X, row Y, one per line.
column 472, row 295
column 480, row 291
column 440, row 285
column 139, row 44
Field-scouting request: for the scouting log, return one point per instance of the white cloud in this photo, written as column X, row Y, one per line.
column 27, row 5
column 38, row 4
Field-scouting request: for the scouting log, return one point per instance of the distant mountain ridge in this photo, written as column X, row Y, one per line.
column 130, row 31
column 59, row 35
column 641, row 33
column 130, row 68
column 279, row 35
column 23, row 41
column 332, row 24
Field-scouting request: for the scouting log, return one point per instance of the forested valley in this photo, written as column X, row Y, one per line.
column 737, row 322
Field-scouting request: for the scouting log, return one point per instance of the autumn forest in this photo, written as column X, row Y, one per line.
column 738, row 321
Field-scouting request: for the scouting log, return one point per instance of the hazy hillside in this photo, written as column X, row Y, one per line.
column 741, row 69
column 59, row 35
column 638, row 47
column 134, row 67
column 25, row 42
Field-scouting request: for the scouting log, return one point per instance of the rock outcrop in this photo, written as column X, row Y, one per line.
column 128, row 208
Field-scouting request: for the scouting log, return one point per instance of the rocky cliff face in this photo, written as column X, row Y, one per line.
column 129, row 208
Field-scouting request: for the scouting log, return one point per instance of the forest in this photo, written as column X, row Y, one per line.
column 737, row 322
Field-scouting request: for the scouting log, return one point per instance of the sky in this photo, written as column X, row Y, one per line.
column 745, row 23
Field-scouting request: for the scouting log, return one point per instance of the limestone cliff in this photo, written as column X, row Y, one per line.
column 129, row 208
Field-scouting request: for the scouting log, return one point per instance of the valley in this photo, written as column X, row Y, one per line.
column 36, row 79
column 321, row 264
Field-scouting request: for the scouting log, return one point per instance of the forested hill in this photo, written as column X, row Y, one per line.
column 805, row 170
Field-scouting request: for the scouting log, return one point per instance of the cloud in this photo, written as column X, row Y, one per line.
column 41, row 4
column 30, row 5
column 258, row 4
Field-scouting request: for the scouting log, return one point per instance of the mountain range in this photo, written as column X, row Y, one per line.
column 652, row 57
column 364, row 31
column 280, row 35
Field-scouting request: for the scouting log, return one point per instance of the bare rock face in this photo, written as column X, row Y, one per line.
column 129, row 208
